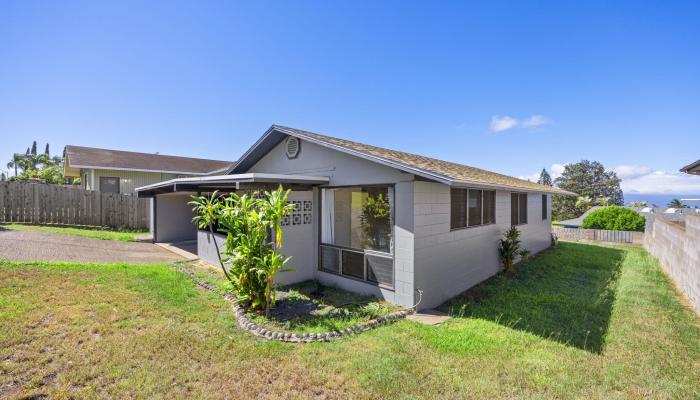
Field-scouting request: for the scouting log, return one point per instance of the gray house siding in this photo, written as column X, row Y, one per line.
column 173, row 219
column 447, row 262
column 347, row 170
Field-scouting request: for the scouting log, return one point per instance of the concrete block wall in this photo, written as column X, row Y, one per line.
column 678, row 252
column 447, row 262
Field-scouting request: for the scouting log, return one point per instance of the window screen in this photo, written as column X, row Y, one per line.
column 522, row 218
column 474, row 207
column 489, row 207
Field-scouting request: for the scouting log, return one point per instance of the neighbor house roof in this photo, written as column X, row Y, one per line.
column 447, row 172
column 693, row 168
column 576, row 222
column 90, row 157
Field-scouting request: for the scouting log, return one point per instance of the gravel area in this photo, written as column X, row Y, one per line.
column 43, row 246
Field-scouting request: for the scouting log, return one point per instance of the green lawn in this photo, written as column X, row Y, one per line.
column 581, row 321
column 125, row 236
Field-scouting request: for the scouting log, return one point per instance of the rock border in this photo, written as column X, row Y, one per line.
column 290, row 337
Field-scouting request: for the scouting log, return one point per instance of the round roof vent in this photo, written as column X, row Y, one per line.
column 293, row 147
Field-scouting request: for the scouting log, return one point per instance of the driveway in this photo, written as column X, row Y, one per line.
column 43, row 246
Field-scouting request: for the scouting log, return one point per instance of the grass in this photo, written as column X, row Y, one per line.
column 96, row 233
column 312, row 307
column 87, row 331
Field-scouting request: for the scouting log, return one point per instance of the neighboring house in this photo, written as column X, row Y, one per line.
column 693, row 168
column 576, row 222
column 122, row 172
column 441, row 239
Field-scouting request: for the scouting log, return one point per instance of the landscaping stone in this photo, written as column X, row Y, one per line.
column 251, row 327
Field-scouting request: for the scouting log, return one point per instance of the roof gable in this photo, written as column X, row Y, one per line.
column 446, row 172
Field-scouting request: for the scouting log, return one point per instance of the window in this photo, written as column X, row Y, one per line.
column 472, row 207
column 518, row 208
column 356, row 233
column 544, row 206
column 458, row 208
column 109, row 184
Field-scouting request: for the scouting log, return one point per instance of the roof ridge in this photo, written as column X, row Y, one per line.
column 147, row 154
column 345, row 142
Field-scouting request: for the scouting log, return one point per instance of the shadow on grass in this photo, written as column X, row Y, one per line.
column 565, row 294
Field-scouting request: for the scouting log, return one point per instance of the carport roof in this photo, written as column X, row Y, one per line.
column 233, row 181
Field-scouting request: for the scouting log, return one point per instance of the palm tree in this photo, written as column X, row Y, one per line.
column 676, row 203
column 14, row 163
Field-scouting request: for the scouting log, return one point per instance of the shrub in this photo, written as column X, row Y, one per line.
column 253, row 224
column 615, row 218
column 509, row 247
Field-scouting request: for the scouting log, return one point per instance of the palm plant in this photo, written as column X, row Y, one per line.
column 254, row 256
column 509, row 247
column 583, row 203
column 207, row 210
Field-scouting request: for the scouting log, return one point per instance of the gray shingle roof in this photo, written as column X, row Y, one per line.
column 90, row 157
column 457, row 174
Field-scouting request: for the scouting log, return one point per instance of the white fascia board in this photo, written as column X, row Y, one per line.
column 137, row 170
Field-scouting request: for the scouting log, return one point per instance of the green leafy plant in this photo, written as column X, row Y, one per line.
column 376, row 221
column 253, row 226
column 614, row 218
column 509, row 247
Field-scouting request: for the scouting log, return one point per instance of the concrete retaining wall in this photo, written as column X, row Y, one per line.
column 678, row 251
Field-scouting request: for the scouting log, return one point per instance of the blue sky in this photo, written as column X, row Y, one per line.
column 511, row 87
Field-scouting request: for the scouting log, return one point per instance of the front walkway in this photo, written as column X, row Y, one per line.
column 42, row 246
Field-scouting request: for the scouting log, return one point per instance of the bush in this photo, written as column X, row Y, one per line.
column 614, row 218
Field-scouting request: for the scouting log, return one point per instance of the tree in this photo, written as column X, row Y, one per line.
column 3, row 177
column 33, row 152
column 46, row 150
column 637, row 204
column 585, row 178
column 676, row 203
column 545, row 178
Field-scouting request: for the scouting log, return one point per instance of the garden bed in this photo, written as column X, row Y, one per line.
column 313, row 307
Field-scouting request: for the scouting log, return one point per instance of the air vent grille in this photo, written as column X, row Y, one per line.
column 293, row 147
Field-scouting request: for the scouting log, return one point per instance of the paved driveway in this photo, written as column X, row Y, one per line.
column 43, row 246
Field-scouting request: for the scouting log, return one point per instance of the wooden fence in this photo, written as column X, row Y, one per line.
column 599, row 235
column 39, row 203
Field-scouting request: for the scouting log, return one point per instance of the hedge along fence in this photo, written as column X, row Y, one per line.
column 599, row 235
column 41, row 203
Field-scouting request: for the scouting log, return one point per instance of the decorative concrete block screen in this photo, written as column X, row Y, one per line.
column 678, row 249
column 599, row 235
column 40, row 203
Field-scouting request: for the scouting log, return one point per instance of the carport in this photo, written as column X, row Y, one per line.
column 171, row 220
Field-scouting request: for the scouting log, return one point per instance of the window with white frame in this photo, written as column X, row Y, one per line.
column 472, row 207
column 357, row 233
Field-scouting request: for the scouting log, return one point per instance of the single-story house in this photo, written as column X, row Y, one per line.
column 693, row 168
column 118, row 171
column 440, row 239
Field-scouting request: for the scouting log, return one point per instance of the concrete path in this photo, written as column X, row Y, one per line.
column 44, row 246
column 429, row 317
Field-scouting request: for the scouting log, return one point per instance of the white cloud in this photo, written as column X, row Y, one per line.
column 632, row 171
column 535, row 121
column 500, row 124
column 657, row 181
column 506, row 122
column 556, row 170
